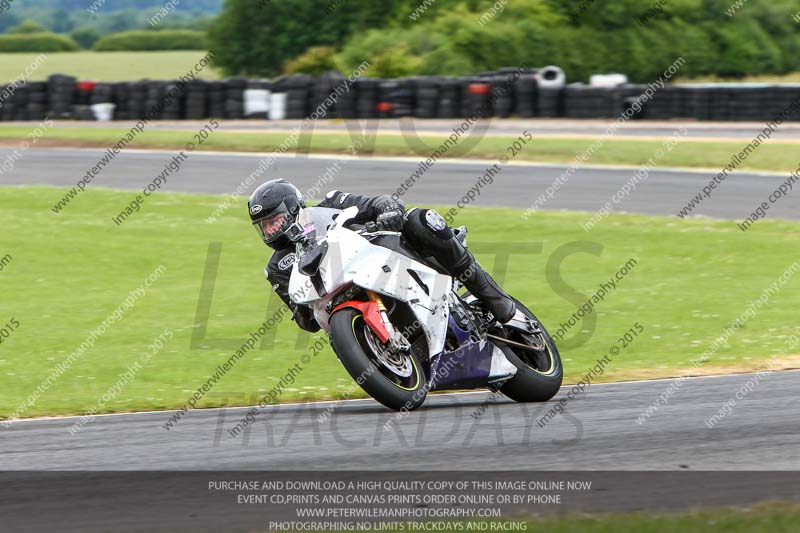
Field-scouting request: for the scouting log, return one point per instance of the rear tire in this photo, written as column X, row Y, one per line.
column 349, row 337
column 539, row 374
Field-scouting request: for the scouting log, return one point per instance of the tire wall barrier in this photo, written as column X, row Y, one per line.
column 504, row 93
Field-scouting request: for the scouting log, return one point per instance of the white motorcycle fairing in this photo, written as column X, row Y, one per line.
column 352, row 259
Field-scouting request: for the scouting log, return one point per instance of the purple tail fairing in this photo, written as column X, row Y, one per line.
column 467, row 366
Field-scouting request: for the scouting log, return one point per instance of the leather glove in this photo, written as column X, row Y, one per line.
column 391, row 213
column 392, row 220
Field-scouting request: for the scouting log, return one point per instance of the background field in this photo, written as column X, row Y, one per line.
column 106, row 66
column 165, row 65
column 768, row 517
column 72, row 270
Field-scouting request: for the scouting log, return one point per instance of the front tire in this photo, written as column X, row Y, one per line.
column 398, row 382
column 539, row 374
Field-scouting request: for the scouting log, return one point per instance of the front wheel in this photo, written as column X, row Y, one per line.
column 539, row 371
column 395, row 380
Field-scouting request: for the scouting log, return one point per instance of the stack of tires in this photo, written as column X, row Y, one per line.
column 83, row 96
column 403, row 98
column 449, row 98
column 697, row 102
column 347, row 105
column 502, row 95
column 37, row 100
column 323, row 87
column 367, row 95
column 780, row 98
column 549, row 102
column 525, row 95
column 583, row 101
column 154, row 103
column 215, row 93
column 137, row 92
column 7, row 106
column 384, row 105
column 120, row 96
column 550, row 83
column 196, row 100
column 173, row 102
column 746, row 103
column 277, row 99
column 476, row 98
column 297, row 96
column 101, row 94
column 624, row 101
column 16, row 103
column 21, row 98
column 666, row 103
column 718, row 103
column 427, row 97
column 234, row 97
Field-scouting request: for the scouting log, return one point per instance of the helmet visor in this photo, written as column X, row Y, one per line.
column 272, row 226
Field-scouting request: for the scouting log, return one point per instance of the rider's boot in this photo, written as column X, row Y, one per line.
column 484, row 288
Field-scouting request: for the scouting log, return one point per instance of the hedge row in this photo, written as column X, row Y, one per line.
column 37, row 42
column 123, row 41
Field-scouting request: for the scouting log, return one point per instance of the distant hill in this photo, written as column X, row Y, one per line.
column 110, row 6
column 107, row 16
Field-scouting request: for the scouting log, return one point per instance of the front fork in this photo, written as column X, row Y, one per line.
column 397, row 341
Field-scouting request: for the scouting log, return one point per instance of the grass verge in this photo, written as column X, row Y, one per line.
column 691, row 279
column 790, row 77
column 771, row 517
column 775, row 157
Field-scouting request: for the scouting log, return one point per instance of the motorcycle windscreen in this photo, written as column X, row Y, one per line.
column 316, row 221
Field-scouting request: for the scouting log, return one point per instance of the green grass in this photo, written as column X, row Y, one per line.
column 70, row 271
column 106, row 66
column 773, row 517
column 765, row 517
column 791, row 77
column 778, row 157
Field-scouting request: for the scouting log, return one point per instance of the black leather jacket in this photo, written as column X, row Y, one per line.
column 279, row 267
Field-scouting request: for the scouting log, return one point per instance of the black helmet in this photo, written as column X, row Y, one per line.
column 273, row 209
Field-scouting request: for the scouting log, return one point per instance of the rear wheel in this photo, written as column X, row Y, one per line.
column 539, row 371
column 395, row 380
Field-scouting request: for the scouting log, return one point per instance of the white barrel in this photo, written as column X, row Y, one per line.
column 608, row 80
column 103, row 112
column 551, row 77
column 277, row 106
column 256, row 101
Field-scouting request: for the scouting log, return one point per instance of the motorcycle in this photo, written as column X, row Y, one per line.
column 397, row 323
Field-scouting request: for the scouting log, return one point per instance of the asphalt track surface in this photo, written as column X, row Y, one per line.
column 670, row 462
column 471, row 431
column 664, row 192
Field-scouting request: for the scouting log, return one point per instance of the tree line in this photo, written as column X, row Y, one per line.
column 637, row 37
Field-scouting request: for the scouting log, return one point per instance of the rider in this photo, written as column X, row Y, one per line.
column 274, row 206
